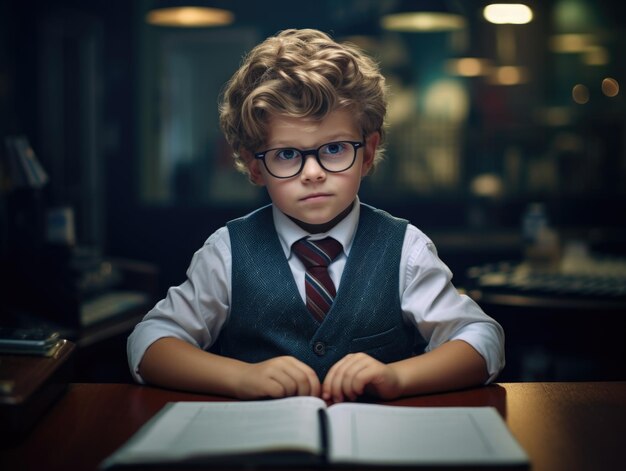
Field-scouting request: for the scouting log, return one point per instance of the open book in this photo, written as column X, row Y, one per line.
column 303, row 430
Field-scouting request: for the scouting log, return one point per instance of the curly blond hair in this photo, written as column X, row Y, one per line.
column 303, row 74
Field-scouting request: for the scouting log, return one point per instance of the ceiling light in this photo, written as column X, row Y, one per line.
column 422, row 21
column 423, row 16
column 189, row 16
column 508, row 13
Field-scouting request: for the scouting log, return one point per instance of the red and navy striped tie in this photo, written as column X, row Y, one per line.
column 316, row 255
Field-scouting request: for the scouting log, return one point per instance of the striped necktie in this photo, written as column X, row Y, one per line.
column 316, row 255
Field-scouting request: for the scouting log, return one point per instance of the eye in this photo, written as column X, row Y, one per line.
column 334, row 149
column 287, row 154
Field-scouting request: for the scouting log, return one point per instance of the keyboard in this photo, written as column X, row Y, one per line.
column 604, row 279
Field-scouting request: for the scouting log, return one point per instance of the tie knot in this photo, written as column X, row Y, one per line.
column 317, row 253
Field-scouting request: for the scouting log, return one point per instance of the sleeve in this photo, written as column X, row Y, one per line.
column 432, row 303
column 194, row 311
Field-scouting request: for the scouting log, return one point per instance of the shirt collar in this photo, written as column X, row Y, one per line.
column 289, row 232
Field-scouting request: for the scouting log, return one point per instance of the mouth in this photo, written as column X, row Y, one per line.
column 315, row 197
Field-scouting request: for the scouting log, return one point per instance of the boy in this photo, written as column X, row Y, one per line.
column 304, row 116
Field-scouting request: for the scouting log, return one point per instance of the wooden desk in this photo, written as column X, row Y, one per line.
column 562, row 426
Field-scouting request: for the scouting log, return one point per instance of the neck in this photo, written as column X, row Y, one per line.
column 324, row 227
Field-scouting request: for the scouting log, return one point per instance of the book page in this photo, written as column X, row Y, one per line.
column 191, row 430
column 378, row 434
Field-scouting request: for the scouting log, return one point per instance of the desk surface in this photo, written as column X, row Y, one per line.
column 562, row 426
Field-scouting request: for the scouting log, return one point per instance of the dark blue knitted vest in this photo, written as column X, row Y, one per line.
column 268, row 317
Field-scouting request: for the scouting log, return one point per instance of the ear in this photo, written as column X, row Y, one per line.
column 254, row 168
column 369, row 152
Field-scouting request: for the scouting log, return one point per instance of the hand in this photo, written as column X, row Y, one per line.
column 277, row 377
column 357, row 373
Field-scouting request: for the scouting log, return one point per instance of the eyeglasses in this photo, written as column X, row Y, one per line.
column 287, row 162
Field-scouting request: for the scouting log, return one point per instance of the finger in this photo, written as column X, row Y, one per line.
column 285, row 380
column 353, row 378
column 335, row 383
column 315, row 388
column 306, row 379
column 327, row 385
column 363, row 378
column 274, row 389
column 301, row 379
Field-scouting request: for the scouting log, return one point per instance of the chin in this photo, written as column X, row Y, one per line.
column 312, row 224
column 315, row 222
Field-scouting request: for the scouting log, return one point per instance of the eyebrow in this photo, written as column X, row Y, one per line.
column 333, row 138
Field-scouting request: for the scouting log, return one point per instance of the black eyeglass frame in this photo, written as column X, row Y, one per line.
column 356, row 145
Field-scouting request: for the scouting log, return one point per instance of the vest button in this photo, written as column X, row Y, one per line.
column 319, row 348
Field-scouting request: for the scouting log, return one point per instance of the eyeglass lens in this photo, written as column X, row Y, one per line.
column 333, row 157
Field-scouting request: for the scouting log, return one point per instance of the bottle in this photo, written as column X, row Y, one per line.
column 541, row 242
column 534, row 221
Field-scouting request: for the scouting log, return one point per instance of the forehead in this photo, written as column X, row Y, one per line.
column 288, row 130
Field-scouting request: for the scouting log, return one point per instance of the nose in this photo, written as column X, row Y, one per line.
column 312, row 170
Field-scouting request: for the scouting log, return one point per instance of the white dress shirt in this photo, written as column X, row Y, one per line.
column 196, row 310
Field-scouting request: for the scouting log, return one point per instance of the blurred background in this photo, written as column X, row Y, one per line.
column 506, row 145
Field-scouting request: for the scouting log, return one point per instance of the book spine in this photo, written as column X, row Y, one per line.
column 324, row 434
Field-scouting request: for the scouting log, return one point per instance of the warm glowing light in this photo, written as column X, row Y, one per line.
column 508, row 75
column 572, row 43
column 508, row 13
column 596, row 55
column 580, row 94
column 469, row 67
column 555, row 116
column 487, row 184
column 189, row 17
column 423, row 21
column 610, row 87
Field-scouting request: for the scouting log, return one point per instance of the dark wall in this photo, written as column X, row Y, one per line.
column 168, row 235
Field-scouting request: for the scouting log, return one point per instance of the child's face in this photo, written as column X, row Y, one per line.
column 314, row 196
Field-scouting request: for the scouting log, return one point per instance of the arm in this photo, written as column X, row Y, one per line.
column 452, row 365
column 176, row 364
column 466, row 347
column 168, row 347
